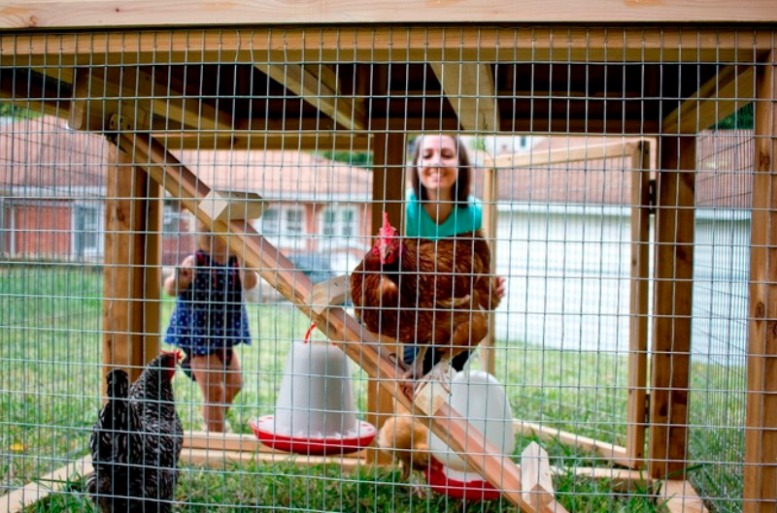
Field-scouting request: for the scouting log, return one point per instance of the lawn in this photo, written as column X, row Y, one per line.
column 50, row 339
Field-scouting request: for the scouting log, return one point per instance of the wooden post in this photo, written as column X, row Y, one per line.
column 638, row 325
column 125, row 282
column 760, row 491
column 388, row 194
column 490, row 197
column 152, row 269
column 676, row 181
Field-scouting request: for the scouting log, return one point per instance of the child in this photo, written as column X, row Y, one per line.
column 208, row 320
column 439, row 205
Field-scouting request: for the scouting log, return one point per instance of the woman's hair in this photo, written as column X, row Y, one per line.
column 460, row 188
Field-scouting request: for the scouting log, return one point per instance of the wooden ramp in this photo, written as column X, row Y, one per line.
column 342, row 329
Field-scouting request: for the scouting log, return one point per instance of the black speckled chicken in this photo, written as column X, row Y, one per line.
column 137, row 442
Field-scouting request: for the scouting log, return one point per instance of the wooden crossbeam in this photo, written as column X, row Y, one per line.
column 31, row 93
column 724, row 94
column 680, row 497
column 616, row 149
column 304, row 82
column 470, row 90
column 135, row 94
column 342, row 329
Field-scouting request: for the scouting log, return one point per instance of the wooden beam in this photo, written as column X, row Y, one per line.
column 135, row 94
column 469, row 88
column 580, row 153
column 636, row 412
column 342, row 329
column 124, row 276
column 760, row 491
column 18, row 500
column 673, row 290
column 490, row 222
column 224, row 459
column 303, row 81
column 383, row 43
column 724, row 94
column 388, row 195
column 152, row 271
column 86, row 14
column 605, row 450
column 31, row 93
column 257, row 140
column 680, row 497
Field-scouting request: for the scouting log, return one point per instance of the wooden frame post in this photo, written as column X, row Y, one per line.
column 638, row 322
column 760, row 493
column 388, row 194
column 490, row 197
column 673, row 288
column 131, row 268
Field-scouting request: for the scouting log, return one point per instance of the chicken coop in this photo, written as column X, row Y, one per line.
column 621, row 157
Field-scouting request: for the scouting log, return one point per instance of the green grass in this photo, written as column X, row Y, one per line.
column 51, row 330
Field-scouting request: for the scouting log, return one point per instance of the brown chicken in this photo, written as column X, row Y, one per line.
column 407, row 439
column 426, row 292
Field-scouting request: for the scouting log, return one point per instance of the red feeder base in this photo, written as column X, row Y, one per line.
column 264, row 430
column 477, row 490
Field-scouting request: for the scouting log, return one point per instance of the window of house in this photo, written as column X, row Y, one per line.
column 87, row 229
column 340, row 225
column 270, row 221
column 294, row 222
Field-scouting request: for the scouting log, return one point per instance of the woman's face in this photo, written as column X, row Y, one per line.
column 438, row 163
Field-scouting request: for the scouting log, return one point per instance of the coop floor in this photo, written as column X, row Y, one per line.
column 326, row 488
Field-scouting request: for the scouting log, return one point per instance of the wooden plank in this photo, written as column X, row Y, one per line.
column 490, row 217
column 86, row 14
column 672, row 297
column 387, row 44
column 331, row 292
column 152, row 270
column 588, row 152
column 342, row 329
column 536, row 477
column 388, row 195
column 760, row 492
column 225, row 459
column 303, row 82
column 123, row 270
column 18, row 500
column 260, row 140
column 680, row 497
column 32, row 94
column 724, row 94
column 605, row 450
column 137, row 95
column 234, row 442
column 470, row 91
column 636, row 413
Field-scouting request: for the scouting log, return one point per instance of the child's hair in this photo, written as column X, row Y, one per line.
column 460, row 188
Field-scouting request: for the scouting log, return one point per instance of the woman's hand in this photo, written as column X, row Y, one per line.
column 182, row 277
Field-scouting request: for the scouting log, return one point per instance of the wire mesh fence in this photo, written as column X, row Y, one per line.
column 218, row 192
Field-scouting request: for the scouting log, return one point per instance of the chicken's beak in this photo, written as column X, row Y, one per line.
column 386, row 253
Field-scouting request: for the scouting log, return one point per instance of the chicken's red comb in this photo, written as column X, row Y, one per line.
column 178, row 354
column 387, row 230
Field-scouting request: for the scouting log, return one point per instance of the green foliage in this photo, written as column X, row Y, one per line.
column 8, row 110
column 352, row 158
column 743, row 119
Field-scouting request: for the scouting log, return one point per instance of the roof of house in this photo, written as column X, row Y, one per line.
column 43, row 153
column 281, row 175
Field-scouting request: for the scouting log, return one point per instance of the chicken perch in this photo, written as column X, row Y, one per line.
column 429, row 293
column 137, row 441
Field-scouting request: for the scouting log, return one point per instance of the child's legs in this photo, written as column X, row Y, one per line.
column 234, row 379
column 209, row 373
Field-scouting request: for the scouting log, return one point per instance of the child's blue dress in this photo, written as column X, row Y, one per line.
column 210, row 314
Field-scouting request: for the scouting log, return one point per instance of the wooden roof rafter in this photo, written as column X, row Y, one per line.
column 470, row 90
column 318, row 86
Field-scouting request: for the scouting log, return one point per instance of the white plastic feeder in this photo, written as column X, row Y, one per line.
column 482, row 400
column 314, row 412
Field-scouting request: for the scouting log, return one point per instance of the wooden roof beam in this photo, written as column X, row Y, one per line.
column 136, row 94
column 316, row 87
column 469, row 88
column 724, row 94
column 29, row 93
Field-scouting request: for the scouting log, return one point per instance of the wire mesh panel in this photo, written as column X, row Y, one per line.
column 427, row 269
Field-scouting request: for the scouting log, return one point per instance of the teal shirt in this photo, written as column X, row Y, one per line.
column 462, row 219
